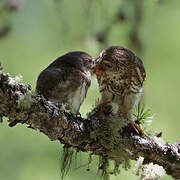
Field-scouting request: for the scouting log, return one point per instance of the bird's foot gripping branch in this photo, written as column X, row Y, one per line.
column 100, row 137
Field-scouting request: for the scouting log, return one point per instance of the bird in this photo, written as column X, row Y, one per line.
column 120, row 74
column 66, row 80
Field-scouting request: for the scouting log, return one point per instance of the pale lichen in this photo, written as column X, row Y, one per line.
column 138, row 166
column 152, row 172
column 15, row 80
column 148, row 171
column 158, row 140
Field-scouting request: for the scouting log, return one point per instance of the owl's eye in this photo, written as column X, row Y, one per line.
column 89, row 60
column 108, row 65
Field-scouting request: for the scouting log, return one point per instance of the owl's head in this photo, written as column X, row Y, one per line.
column 119, row 59
column 75, row 59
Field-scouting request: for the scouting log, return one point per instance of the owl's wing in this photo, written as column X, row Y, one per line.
column 56, row 83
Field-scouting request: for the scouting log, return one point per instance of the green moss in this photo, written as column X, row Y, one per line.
column 66, row 160
column 113, row 142
column 111, row 167
column 26, row 101
column 89, row 161
column 107, row 132
column 103, row 167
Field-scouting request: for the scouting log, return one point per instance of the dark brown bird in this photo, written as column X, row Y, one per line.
column 120, row 75
column 66, row 80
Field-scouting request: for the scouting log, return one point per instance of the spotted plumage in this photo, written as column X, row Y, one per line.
column 120, row 75
column 67, row 79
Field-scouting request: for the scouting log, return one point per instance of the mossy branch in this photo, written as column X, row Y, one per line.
column 21, row 105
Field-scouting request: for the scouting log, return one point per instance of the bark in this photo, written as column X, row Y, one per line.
column 21, row 105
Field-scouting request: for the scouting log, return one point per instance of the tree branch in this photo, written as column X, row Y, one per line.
column 21, row 105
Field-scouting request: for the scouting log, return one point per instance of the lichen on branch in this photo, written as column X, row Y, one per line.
column 100, row 137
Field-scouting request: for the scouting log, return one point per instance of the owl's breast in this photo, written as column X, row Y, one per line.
column 79, row 95
column 77, row 98
column 114, row 82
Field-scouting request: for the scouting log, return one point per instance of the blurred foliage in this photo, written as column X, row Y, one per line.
column 7, row 7
column 34, row 33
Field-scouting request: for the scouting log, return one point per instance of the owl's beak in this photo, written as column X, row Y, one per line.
column 96, row 65
column 97, row 62
column 98, row 70
column 92, row 66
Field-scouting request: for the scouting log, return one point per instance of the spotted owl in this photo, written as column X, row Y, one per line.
column 66, row 80
column 120, row 75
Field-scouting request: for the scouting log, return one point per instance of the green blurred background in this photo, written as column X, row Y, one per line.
column 43, row 30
